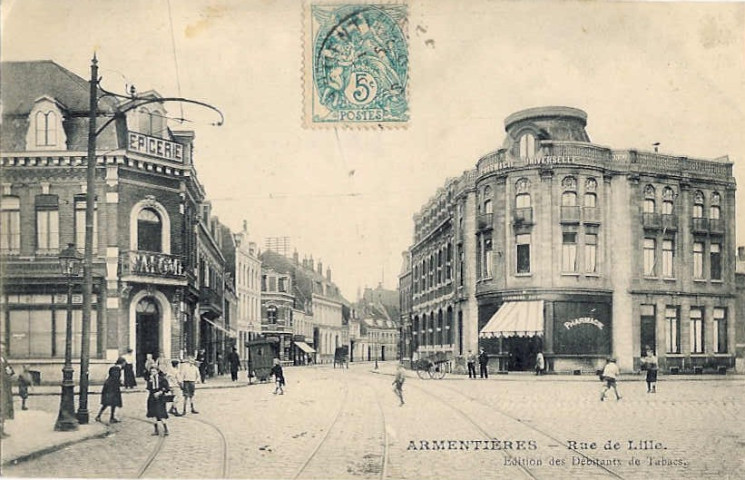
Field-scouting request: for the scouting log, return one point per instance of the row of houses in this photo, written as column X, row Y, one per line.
column 556, row 244
column 169, row 279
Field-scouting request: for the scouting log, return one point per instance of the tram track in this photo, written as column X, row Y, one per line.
column 492, row 409
column 327, row 452
column 161, row 441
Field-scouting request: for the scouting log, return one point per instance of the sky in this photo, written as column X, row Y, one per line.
column 671, row 72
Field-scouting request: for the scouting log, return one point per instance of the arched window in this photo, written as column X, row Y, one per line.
column 271, row 314
column 527, row 146
column 487, row 200
column 522, row 193
column 668, row 197
column 569, row 199
column 591, row 198
column 149, row 231
column 649, row 199
column 144, row 121
column 698, row 204
column 715, row 209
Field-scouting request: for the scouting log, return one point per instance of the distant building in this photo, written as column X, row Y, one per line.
column 247, row 274
column 558, row 244
column 377, row 328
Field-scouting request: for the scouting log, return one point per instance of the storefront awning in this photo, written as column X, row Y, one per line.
column 230, row 333
column 515, row 319
column 305, row 347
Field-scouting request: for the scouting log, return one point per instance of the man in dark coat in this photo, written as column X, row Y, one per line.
column 483, row 362
column 234, row 361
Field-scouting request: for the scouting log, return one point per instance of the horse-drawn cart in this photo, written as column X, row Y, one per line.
column 435, row 365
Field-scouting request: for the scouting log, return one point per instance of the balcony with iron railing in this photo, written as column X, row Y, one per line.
column 210, row 302
column 590, row 215
column 651, row 220
column 700, row 225
column 484, row 221
column 523, row 216
column 151, row 266
column 669, row 222
column 569, row 214
column 716, row 225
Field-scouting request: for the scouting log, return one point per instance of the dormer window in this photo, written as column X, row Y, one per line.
column 527, row 146
column 150, row 122
column 45, row 130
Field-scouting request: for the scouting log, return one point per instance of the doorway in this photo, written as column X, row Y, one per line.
column 522, row 352
column 147, row 325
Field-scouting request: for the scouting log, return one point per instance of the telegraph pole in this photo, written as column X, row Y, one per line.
column 90, row 197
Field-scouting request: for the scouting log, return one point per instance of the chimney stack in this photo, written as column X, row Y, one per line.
column 741, row 254
column 295, row 258
column 328, row 274
column 311, row 264
column 320, row 268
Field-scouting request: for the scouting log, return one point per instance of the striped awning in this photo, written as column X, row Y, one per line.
column 305, row 347
column 515, row 319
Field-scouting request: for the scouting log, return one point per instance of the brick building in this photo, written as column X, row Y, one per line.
column 147, row 288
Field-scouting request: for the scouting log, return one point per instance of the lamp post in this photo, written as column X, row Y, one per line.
column 69, row 260
column 90, row 195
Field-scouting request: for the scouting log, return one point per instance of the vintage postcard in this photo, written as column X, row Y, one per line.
column 357, row 240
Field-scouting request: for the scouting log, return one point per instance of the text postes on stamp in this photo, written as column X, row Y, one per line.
column 356, row 68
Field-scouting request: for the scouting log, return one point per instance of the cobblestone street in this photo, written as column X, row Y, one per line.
column 346, row 424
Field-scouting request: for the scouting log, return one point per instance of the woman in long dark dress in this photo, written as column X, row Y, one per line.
column 129, row 371
column 111, row 394
column 158, row 387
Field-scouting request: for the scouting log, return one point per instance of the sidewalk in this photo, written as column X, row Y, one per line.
column 32, row 434
column 389, row 368
column 32, row 431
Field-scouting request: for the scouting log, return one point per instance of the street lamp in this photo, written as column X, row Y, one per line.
column 90, row 195
column 69, row 261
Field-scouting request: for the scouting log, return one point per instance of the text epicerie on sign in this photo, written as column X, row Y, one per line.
column 155, row 146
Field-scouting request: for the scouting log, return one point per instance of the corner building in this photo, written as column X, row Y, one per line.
column 583, row 251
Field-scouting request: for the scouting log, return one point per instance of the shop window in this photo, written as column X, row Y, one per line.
column 591, row 253
column 10, row 225
column 523, row 253
column 696, row 328
column 79, row 220
column 672, row 330
column 650, row 260
column 720, row 330
column 527, row 146
column 698, row 259
column 698, row 204
column 569, row 252
column 715, row 261
column 668, row 257
column 40, row 333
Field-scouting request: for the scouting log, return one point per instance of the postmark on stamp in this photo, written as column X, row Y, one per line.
column 356, row 65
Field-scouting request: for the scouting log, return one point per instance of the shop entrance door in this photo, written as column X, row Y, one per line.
column 522, row 351
column 147, row 332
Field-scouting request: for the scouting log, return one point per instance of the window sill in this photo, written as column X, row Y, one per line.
column 669, row 279
column 651, row 277
column 524, row 274
column 699, row 280
column 569, row 274
column 717, row 281
column 592, row 275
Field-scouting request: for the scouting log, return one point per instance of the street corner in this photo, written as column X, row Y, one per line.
column 31, row 434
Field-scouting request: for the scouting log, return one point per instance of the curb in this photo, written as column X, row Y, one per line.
column 129, row 391
column 52, row 448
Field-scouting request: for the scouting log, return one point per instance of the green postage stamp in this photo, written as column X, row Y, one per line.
column 356, row 65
